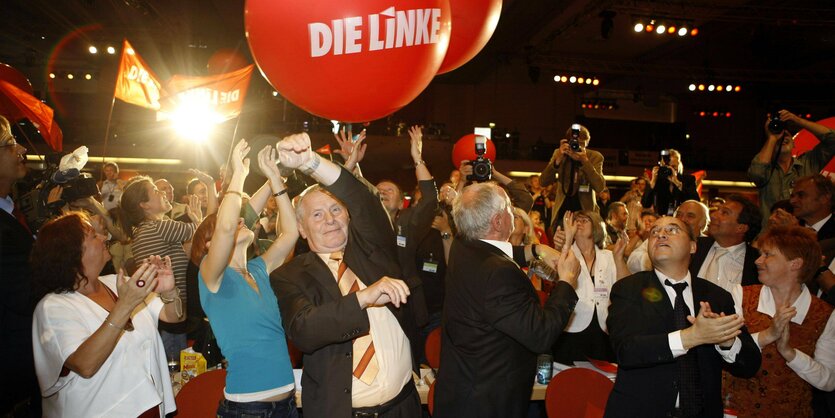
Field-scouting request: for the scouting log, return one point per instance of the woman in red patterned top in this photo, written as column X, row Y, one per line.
column 793, row 328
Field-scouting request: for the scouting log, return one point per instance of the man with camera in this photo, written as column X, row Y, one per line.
column 111, row 187
column 669, row 187
column 577, row 172
column 774, row 170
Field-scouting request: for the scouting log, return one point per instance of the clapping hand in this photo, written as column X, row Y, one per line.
column 194, row 210
column 239, row 160
column 165, row 273
column 135, row 288
column 570, row 229
column 779, row 322
column 711, row 328
column 268, row 163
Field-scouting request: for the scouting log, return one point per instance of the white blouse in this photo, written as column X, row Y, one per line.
column 133, row 379
column 593, row 296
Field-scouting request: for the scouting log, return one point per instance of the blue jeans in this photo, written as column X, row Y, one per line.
column 280, row 409
column 174, row 343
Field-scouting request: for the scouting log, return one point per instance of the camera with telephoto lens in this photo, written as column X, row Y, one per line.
column 574, row 141
column 664, row 170
column 775, row 125
column 482, row 168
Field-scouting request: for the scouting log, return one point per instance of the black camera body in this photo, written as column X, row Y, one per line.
column 81, row 187
column 482, row 167
column 775, row 125
column 574, row 141
column 664, row 170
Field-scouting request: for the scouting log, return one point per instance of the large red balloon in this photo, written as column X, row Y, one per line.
column 805, row 141
column 473, row 23
column 12, row 76
column 226, row 60
column 464, row 149
column 349, row 60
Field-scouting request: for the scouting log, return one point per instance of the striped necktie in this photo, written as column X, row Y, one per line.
column 365, row 365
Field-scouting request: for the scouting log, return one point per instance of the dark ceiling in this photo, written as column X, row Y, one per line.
column 780, row 51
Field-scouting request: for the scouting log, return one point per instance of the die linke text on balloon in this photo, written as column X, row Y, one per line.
column 385, row 30
column 209, row 96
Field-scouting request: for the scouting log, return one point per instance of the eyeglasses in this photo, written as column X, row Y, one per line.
column 671, row 229
column 582, row 220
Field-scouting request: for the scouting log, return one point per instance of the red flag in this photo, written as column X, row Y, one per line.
column 699, row 175
column 325, row 150
column 41, row 115
column 221, row 95
column 136, row 83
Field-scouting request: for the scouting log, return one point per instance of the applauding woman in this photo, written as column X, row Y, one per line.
column 793, row 328
column 237, row 298
column 97, row 349
column 586, row 336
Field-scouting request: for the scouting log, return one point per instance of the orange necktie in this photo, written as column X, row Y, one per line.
column 365, row 362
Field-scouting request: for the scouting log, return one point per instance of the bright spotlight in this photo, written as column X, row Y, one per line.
column 729, row 88
column 692, row 87
column 719, row 87
column 93, row 49
column 88, row 76
column 111, row 50
column 701, row 87
column 563, row 79
column 671, row 30
column 557, row 78
column 275, row 93
column 507, row 135
column 639, row 27
column 711, row 87
column 70, row 76
column 694, row 32
column 682, row 31
column 649, row 27
column 51, row 75
column 194, row 120
column 660, row 29
column 595, row 82
column 588, row 81
column 737, row 89
column 581, row 80
column 572, row 79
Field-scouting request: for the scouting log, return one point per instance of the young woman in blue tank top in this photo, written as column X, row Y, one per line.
column 237, row 298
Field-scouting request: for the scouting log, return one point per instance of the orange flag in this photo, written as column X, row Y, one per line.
column 136, row 83
column 325, row 150
column 221, row 95
column 41, row 115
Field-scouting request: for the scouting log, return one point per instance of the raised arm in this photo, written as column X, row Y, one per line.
column 223, row 237
column 287, row 227
column 206, row 179
column 416, row 150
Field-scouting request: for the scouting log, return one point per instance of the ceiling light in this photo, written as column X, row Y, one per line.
column 711, row 87
column 719, row 87
column 660, row 29
column 737, row 88
column 729, row 88
column 93, row 49
column 88, row 76
column 588, row 81
column 70, row 76
column 694, row 32
column 572, row 79
column 682, row 31
column 51, row 75
column 701, row 87
column 557, row 78
column 111, row 50
column 581, row 80
column 595, row 82
column 692, row 87
column 563, row 79
column 639, row 27
column 671, row 30
column 649, row 27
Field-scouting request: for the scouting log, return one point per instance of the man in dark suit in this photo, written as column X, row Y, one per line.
column 355, row 338
column 726, row 257
column 493, row 325
column 811, row 200
column 578, row 176
column 670, row 361
column 16, row 303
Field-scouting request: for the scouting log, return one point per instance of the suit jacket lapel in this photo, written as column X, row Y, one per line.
column 319, row 271
column 663, row 305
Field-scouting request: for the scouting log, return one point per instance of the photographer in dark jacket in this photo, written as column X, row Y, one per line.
column 669, row 187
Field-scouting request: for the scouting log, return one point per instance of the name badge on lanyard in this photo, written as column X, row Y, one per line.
column 430, row 265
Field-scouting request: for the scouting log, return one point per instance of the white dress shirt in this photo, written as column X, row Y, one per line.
column 7, row 204
column 730, row 266
column 818, row 371
column 506, row 247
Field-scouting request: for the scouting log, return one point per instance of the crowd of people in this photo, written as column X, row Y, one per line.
column 703, row 304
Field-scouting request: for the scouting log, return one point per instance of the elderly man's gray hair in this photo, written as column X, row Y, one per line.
column 475, row 207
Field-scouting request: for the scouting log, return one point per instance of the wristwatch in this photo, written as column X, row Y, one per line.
column 446, row 235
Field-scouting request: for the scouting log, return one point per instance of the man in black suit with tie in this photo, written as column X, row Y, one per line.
column 811, row 200
column 670, row 361
column 16, row 303
column 493, row 325
column 726, row 257
column 355, row 337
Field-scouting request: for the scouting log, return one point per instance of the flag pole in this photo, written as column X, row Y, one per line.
column 112, row 105
column 231, row 148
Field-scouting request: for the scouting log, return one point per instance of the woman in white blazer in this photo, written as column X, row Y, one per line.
column 585, row 336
